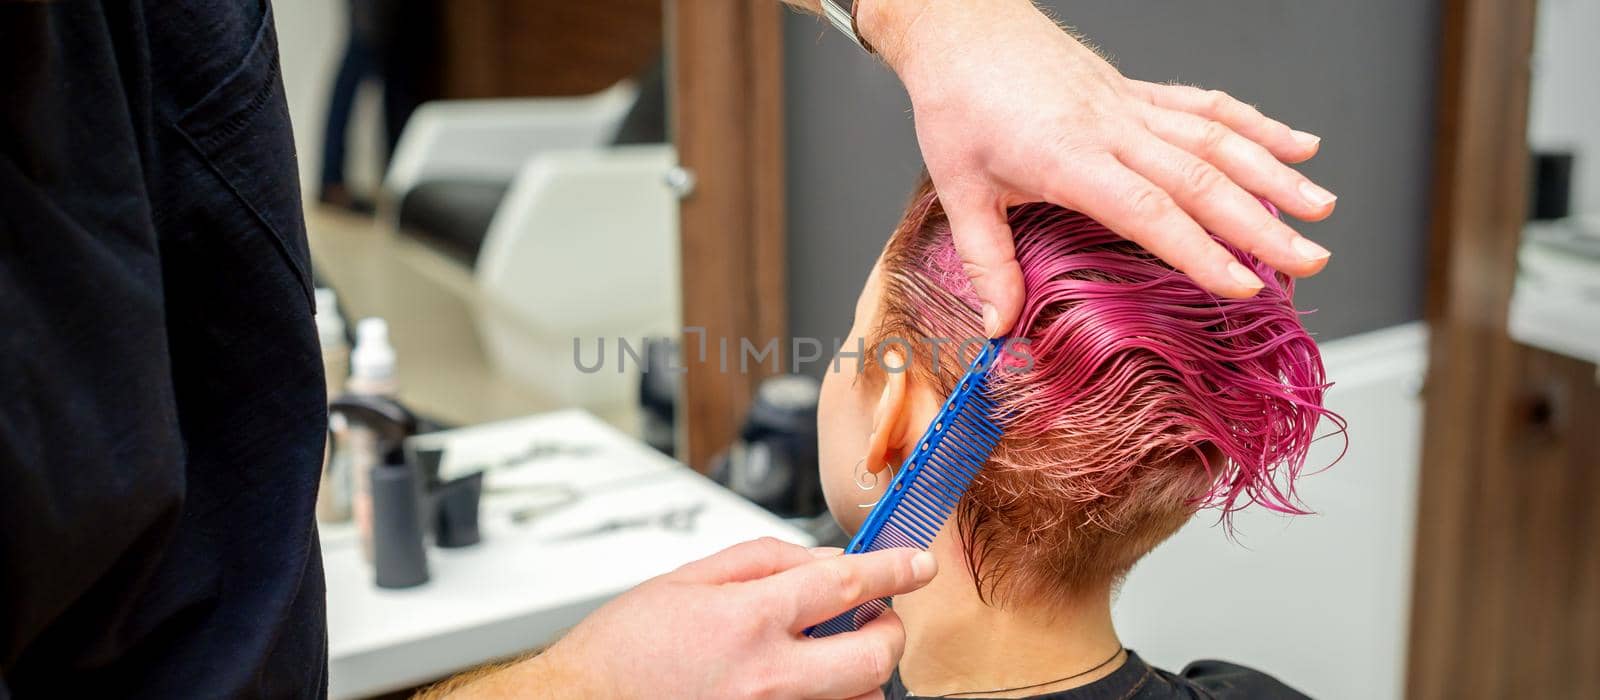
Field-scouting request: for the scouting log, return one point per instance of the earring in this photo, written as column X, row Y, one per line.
column 873, row 485
column 861, row 473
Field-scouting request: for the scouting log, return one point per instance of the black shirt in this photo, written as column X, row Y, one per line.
column 161, row 397
column 1137, row 680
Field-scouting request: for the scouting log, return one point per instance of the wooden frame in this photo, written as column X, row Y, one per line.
column 727, row 109
column 507, row 48
column 1506, row 597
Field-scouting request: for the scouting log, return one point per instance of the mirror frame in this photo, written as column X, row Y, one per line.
column 727, row 103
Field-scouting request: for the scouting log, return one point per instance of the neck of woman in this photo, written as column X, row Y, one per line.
column 957, row 644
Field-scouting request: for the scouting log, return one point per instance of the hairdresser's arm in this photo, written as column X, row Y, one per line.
column 726, row 626
column 1010, row 108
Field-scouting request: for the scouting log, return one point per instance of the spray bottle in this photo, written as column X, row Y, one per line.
column 372, row 373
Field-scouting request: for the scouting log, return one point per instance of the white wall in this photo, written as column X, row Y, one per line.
column 1564, row 108
column 1320, row 601
column 311, row 35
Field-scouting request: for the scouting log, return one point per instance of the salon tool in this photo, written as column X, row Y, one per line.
column 455, row 511
column 397, row 553
column 680, row 520
column 547, row 499
column 449, row 507
column 541, row 450
column 450, row 499
column 925, row 491
column 555, row 496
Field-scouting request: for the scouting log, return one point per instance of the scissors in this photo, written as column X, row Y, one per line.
column 679, row 520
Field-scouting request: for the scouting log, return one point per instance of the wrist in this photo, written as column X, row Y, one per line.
column 883, row 23
column 549, row 675
column 908, row 33
column 559, row 668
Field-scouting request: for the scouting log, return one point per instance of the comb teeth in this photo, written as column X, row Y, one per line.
column 929, row 485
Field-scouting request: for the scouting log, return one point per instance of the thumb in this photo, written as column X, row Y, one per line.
column 983, row 240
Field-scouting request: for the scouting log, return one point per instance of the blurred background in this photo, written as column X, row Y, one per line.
column 537, row 198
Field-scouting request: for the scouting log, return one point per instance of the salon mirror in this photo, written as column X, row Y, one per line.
column 494, row 179
column 1558, row 261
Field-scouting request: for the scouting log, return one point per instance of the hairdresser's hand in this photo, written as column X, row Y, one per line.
column 730, row 626
column 1010, row 109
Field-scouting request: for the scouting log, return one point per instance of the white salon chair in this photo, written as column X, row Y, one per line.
column 584, row 247
column 490, row 140
column 581, row 237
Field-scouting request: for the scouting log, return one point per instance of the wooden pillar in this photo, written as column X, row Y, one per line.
column 727, row 112
column 1506, row 598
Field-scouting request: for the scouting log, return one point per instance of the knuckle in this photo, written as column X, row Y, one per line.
column 847, row 582
column 1148, row 204
column 1201, row 251
column 874, row 662
column 1066, row 159
column 1268, row 229
column 1199, row 177
column 774, row 612
column 1074, row 141
column 1213, row 134
column 760, row 686
column 1215, row 101
column 752, row 612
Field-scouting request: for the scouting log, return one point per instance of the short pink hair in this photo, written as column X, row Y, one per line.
column 1148, row 397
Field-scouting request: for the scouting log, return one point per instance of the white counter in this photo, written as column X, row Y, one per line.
column 525, row 583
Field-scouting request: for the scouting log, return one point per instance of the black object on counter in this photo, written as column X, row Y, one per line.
column 774, row 461
column 426, row 461
column 1550, row 186
column 455, row 511
column 658, row 395
column 450, row 508
column 397, row 552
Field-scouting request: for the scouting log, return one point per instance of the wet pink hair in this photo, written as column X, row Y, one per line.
column 1148, row 398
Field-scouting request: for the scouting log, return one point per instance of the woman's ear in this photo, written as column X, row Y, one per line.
column 891, row 417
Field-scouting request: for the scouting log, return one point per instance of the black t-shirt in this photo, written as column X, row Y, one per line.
column 1137, row 680
column 162, row 410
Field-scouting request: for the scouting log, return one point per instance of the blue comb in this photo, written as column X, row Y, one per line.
column 930, row 483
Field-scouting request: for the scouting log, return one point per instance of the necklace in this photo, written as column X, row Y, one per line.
column 1096, row 667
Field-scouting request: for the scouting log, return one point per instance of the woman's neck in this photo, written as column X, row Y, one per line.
column 955, row 643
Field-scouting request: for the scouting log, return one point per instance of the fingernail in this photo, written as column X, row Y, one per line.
column 1244, row 276
column 826, row 552
column 1316, row 196
column 1304, row 138
column 1308, row 250
column 923, row 567
column 991, row 320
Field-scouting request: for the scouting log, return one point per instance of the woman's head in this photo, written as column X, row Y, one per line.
column 1142, row 398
